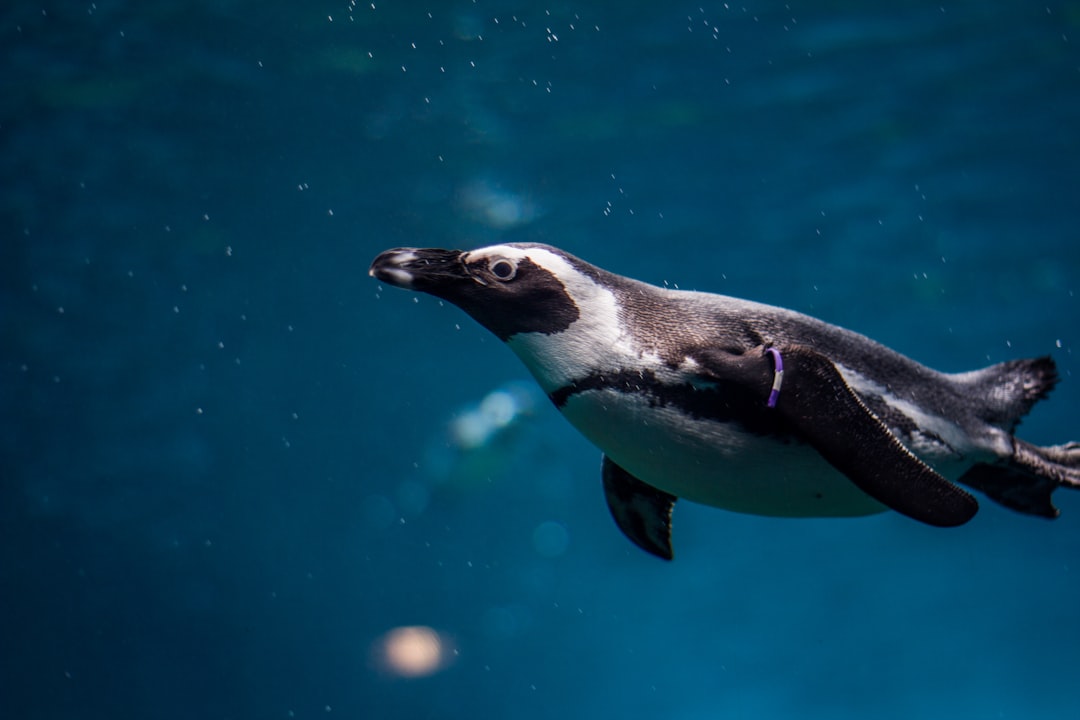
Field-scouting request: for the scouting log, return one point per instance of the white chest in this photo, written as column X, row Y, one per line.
column 714, row 463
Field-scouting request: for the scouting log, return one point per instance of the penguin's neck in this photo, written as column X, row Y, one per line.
column 595, row 342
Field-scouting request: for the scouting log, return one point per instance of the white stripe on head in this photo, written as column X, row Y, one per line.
column 591, row 343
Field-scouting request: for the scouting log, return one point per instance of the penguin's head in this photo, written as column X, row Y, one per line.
column 510, row 289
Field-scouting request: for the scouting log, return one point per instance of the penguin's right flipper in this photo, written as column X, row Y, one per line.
column 641, row 511
column 820, row 406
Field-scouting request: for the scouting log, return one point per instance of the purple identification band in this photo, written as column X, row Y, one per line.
column 778, row 376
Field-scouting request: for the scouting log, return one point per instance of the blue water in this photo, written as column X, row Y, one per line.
column 229, row 465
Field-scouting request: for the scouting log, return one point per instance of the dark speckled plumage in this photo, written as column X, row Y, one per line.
column 671, row 385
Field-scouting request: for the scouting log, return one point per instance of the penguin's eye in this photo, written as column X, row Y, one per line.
column 503, row 269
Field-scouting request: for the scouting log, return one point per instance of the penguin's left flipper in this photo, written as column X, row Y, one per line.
column 820, row 406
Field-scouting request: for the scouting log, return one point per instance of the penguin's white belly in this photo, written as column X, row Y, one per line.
column 714, row 463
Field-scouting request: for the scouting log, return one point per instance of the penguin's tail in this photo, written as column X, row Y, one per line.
column 1008, row 390
column 1025, row 480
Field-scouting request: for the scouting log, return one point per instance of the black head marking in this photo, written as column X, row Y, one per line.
column 501, row 287
column 509, row 296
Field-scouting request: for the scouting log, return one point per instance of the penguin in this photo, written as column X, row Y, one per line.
column 745, row 406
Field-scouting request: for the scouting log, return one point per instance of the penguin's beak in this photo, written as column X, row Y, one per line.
column 424, row 269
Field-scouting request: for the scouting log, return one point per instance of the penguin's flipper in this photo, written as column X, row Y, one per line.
column 641, row 511
column 817, row 403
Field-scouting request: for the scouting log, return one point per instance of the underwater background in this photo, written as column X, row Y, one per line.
column 241, row 479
